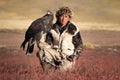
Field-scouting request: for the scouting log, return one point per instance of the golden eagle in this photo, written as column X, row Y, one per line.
column 36, row 30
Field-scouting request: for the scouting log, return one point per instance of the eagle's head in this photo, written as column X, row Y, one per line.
column 49, row 12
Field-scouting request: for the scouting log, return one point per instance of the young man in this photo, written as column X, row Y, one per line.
column 64, row 40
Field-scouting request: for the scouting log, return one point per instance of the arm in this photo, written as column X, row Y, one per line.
column 78, row 44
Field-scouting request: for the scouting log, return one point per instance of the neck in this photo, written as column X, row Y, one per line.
column 62, row 25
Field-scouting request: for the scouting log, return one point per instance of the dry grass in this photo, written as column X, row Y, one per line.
column 25, row 23
column 88, row 45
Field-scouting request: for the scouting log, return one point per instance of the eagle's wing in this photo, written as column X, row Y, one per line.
column 35, row 27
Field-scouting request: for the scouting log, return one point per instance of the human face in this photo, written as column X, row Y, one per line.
column 63, row 19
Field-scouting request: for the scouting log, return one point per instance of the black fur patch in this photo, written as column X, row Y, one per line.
column 71, row 28
column 77, row 41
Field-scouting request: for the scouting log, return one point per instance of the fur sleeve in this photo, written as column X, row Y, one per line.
column 77, row 41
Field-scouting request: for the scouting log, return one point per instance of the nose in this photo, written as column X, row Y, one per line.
column 62, row 18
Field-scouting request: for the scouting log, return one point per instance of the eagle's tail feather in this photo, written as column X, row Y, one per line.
column 31, row 48
column 23, row 45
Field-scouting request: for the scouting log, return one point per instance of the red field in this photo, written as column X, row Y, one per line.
column 101, row 63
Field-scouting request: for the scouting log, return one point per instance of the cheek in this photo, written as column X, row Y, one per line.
column 66, row 19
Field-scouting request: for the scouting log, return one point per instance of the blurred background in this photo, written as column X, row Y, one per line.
column 87, row 14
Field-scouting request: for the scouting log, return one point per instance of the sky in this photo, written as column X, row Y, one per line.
column 98, row 11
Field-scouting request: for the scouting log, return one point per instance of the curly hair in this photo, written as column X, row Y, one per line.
column 63, row 10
